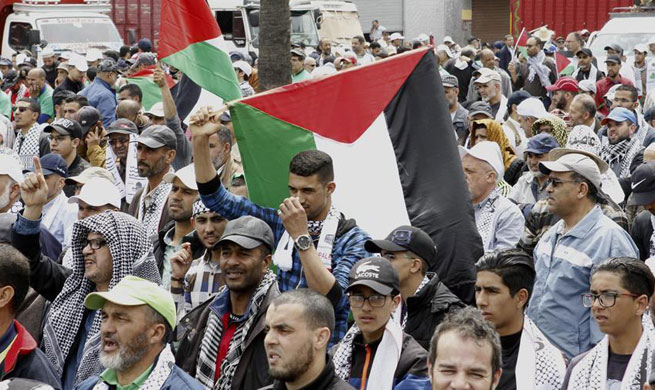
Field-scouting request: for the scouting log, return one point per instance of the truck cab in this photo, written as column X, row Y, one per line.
column 338, row 21
column 66, row 25
column 239, row 23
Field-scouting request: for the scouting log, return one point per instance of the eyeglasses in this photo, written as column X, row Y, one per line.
column 606, row 299
column 374, row 300
column 557, row 182
column 95, row 244
column 21, row 109
column 119, row 141
column 58, row 139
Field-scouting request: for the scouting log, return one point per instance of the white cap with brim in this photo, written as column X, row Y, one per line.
column 187, row 176
column 486, row 75
column 11, row 167
column 488, row 152
column 577, row 162
column 156, row 110
column 395, row 36
column 448, row 39
column 98, row 192
column 446, row 50
column 78, row 62
column 532, row 107
column 243, row 66
column 89, row 174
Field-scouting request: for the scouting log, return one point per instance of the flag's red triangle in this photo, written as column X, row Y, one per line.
column 183, row 23
column 561, row 61
column 342, row 106
column 148, row 72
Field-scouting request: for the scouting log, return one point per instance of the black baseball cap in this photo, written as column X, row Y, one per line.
column 377, row 273
column 613, row 58
column 11, row 78
column 406, row 238
column 584, row 51
column 614, row 46
column 65, row 127
column 88, row 117
column 480, row 108
column 122, row 126
column 643, row 185
column 52, row 163
column 157, row 136
column 248, row 232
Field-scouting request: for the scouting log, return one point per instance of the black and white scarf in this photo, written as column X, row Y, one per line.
column 131, row 251
column 206, row 367
column 151, row 215
column 27, row 146
column 591, row 372
column 536, row 67
column 621, row 153
column 539, row 365
column 485, row 215
column 593, row 73
column 158, row 375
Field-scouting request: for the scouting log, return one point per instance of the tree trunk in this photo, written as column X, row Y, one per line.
column 274, row 64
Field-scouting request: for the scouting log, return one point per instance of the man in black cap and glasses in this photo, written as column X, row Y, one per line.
column 426, row 299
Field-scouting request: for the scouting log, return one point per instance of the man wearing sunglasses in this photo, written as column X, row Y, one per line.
column 30, row 139
column 426, row 300
column 567, row 252
column 376, row 353
column 618, row 298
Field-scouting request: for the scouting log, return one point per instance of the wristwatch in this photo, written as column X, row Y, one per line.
column 303, row 242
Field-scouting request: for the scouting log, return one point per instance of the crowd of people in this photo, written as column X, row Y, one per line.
column 132, row 258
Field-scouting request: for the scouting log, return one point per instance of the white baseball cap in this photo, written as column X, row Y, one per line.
column 47, row 52
column 187, row 176
column 486, row 75
column 157, row 110
column 448, row 39
column 94, row 55
column 573, row 161
column 445, row 49
column 244, row 66
column 488, row 152
column 532, row 107
column 11, row 167
column 587, row 86
column 97, row 192
column 78, row 62
column 641, row 47
column 395, row 36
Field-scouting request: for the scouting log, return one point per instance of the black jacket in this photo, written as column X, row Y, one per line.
column 191, row 329
column 159, row 246
column 327, row 380
column 427, row 309
column 642, row 231
column 69, row 85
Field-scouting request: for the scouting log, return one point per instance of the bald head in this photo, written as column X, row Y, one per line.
column 487, row 58
column 37, row 72
column 128, row 109
column 36, row 78
column 649, row 153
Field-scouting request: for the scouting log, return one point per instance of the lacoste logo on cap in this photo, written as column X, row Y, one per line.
column 368, row 270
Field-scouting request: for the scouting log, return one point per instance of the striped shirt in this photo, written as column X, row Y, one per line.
column 201, row 283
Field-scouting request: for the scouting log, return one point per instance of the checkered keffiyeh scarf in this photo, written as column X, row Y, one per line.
column 622, row 153
column 27, row 146
column 200, row 208
column 131, row 252
column 652, row 237
column 151, row 215
column 485, row 215
column 158, row 375
column 540, row 365
column 206, row 368
column 591, row 372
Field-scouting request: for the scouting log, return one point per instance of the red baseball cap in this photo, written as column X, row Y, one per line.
column 564, row 84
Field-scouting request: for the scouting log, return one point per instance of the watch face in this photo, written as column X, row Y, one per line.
column 304, row 242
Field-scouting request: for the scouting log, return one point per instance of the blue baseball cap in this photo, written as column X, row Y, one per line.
column 541, row 144
column 620, row 114
column 53, row 163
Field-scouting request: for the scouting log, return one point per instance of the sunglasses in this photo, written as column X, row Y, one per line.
column 21, row 109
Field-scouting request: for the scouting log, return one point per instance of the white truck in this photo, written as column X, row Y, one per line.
column 65, row 25
column 239, row 23
column 338, row 20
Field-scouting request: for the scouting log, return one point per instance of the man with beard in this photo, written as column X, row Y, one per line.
column 220, row 148
column 622, row 149
column 105, row 248
column 583, row 112
column 50, row 64
column 613, row 63
column 537, row 73
column 137, row 320
column 488, row 87
column 586, row 70
column 458, row 114
column 488, row 60
column 298, row 328
column 179, row 208
column 155, row 154
column 197, row 278
column 222, row 340
column 122, row 152
column 627, row 96
column 323, row 53
column 564, row 90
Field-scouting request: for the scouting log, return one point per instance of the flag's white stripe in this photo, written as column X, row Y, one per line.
column 205, row 99
column 368, row 184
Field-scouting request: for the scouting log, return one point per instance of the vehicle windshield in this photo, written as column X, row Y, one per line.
column 78, row 30
column 340, row 26
column 626, row 41
column 303, row 29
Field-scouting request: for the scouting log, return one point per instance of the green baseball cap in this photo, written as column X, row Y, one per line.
column 134, row 291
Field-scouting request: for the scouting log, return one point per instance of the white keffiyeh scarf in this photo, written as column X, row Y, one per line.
column 283, row 257
column 591, row 372
column 536, row 67
column 27, row 146
column 131, row 252
column 133, row 182
column 151, row 214
column 593, row 73
column 206, row 367
column 158, row 375
column 540, row 366
column 385, row 361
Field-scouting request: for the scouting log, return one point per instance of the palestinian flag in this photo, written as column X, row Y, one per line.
column 191, row 41
column 387, row 128
column 564, row 66
column 521, row 43
column 150, row 90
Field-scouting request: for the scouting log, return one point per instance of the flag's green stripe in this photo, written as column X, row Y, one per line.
column 568, row 70
column 267, row 146
column 209, row 67
column 150, row 90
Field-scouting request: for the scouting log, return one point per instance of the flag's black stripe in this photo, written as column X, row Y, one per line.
column 186, row 94
column 431, row 174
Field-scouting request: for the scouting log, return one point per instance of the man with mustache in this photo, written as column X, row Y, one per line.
column 155, row 154
column 222, row 340
column 138, row 318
